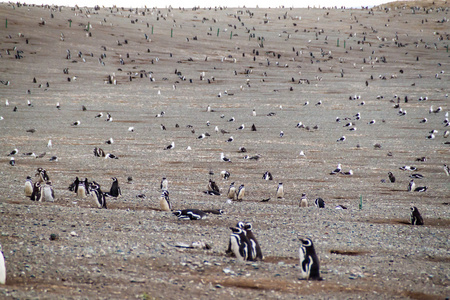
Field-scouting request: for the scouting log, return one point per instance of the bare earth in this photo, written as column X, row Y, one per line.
column 128, row 250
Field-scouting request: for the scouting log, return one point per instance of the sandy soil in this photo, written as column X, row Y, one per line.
column 128, row 251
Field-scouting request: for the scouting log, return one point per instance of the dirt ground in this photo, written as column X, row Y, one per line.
column 290, row 66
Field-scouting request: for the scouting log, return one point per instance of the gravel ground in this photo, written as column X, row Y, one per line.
column 129, row 250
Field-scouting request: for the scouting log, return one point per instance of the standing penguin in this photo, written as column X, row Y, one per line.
column 36, row 195
column 28, row 187
column 280, row 191
column 304, row 201
column 164, row 184
column 97, row 195
column 391, row 177
column 309, row 262
column 256, row 253
column 47, row 193
column 81, row 189
column 2, row 268
column 319, row 203
column 411, row 186
column 164, row 202
column 416, row 218
column 213, row 187
column 239, row 243
column 240, row 193
column 231, row 192
column 115, row 189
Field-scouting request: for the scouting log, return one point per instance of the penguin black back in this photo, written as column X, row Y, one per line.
column 309, row 262
column 416, row 218
column 254, row 245
column 115, row 189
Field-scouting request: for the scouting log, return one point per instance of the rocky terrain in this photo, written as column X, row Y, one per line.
column 389, row 64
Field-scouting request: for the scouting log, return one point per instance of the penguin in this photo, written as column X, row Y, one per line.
column 256, row 253
column 98, row 152
column 225, row 175
column 421, row 189
column 42, row 174
column 36, row 195
column 2, row 268
column 253, row 127
column 239, row 243
column 190, row 214
column 280, row 191
column 304, row 201
column 240, row 193
column 12, row 161
column 231, row 192
column 319, row 203
column 28, row 187
column 391, row 177
column 47, row 193
column 309, row 262
column 81, row 188
column 164, row 202
column 416, row 218
column 212, row 186
column 97, row 195
column 115, row 189
column 164, row 184
column 267, row 176
column 447, row 170
column 411, row 186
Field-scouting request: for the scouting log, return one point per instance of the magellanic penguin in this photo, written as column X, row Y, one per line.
column 280, row 191
column 28, row 187
column 36, row 195
column 97, row 195
column 304, row 201
column 240, row 193
column 225, row 174
column 115, row 189
column 164, row 184
column 391, row 177
column 47, row 193
column 319, row 203
column 267, row 176
column 2, row 267
column 231, row 192
column 240, row 245
column 190, row 214
column 42, row 175
column 256, row 253
column 164, row 202
column 82, row 190
column 411, row 186
column 309, row 262
column 416, row 218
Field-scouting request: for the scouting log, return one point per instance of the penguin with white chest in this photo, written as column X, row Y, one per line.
column 97, row 195
column 416, row 218
column 231, row 192
column 240, row 193
column 164, row 202
column 2, row 268
column 239, row 243
column 28, row 187
column 47, row 193
column 256, row 253
column 280, row 191
column 309, row 262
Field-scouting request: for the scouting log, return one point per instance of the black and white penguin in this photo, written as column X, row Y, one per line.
column 267, row 176
column 42, row 175
column 36, row 195
column 2, row 268
column 421, row 189
column 28, row 187
column 309, row 262
column 190, row 214
column 97, row 195
column 115, row 189
column 280, row 191
column 239, row 243
column 82, row 189
column 447, row 170
column 47, row 193
column 416, row 218
column 255, row 253
column 164, row 184
column 170, row 147
column 391, row 177
column 212, row 186
column 411, row 186
column 164, row 201
column 225, row 175
column 231, row 194
column 98, row 152
column 111, row 156
column 304, row 201
column 416, row 176
column 240, row 193
column 319, row 203
column 12, row 161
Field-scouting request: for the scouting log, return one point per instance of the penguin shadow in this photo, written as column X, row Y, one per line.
column 348, row 253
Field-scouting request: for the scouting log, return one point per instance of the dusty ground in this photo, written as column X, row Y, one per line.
column 127, row 251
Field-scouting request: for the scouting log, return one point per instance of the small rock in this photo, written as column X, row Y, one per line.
column 73, row 233
column 54, row 237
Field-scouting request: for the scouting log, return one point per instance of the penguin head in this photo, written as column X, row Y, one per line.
column 306, row 242
column 248, row 226
column 236, row 230
column 240, row 225
column 177, row 213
